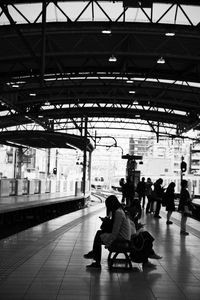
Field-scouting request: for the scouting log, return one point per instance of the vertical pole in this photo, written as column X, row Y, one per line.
column 89, row 168
column 133, row 178
column 43, row 48
column 85, row 157
column 182, row 159
column 48, row 161
column 20, row 156
column 181, row 176
column 49, row 150
column 56, row 163
column 157, row 133
column 15, row 162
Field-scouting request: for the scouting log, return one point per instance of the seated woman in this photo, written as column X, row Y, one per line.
column 121, row 230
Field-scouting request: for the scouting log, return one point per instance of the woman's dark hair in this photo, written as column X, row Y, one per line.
column 112, row 204
column 159, row 181
column 171, row 186
column 184, row 183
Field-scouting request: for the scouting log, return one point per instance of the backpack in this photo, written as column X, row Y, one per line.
column 141, row 246
column 106, row 225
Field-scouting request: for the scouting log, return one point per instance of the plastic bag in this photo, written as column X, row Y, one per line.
column 187, row 211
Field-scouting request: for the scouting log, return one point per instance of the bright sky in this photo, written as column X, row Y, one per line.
column 31, row 11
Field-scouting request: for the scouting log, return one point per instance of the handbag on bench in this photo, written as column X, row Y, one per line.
column 106, row 225
column 141, row 246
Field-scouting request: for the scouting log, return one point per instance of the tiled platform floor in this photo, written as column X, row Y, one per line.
column 46, row 262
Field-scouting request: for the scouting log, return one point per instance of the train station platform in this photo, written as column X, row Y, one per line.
column 46, row 262
column 13, row 203
column 20, row 212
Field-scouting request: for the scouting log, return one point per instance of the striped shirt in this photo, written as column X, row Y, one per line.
column 121, row 229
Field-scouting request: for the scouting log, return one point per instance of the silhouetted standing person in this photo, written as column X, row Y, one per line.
column 141, row 190
column 123, row 187
column 158, row 193
column 169, row 197
column 149, row 207
column 185, row 202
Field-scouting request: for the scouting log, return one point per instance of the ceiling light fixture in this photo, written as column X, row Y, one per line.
column 106, row 31
column 131, row 92
column 161, row 60
column 112, row 58
column 170, row 34
column 129, row 81
column 32, row 94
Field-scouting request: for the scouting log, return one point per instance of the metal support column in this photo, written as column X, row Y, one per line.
column 48, row 161
column 43, row 49
column 85, row 157
column 89, row 168
column 19, row 163
column 51, row 123
column 15, row 162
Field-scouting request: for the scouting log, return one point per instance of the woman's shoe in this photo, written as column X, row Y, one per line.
column 169, row 222
column 182, row 232
column 157, row 216
column 94, row 265
column 155, row 256
column 148, row 264
column 89, row 255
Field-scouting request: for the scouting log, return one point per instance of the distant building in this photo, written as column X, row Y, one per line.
column 194, row 166
column 162, row 158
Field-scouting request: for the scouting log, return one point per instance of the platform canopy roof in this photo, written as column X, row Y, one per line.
column 44, row 139
column 76, row 67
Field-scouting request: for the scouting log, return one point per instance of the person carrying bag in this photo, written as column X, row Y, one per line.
column 157, row 195
column 185, row 206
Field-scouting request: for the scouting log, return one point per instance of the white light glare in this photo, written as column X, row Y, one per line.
column 161, row 60
column 112, row 58
column 106, row 31
column 170, row 34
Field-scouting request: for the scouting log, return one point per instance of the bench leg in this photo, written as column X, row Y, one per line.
column 128, row 260
column 109, row 256
column 111, row 259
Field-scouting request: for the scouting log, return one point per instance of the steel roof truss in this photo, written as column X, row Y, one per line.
column 21, row 14
column 62, row 11
column 25, row 42
column 181, row 8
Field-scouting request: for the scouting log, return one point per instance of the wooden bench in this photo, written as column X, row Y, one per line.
column 119, row 247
